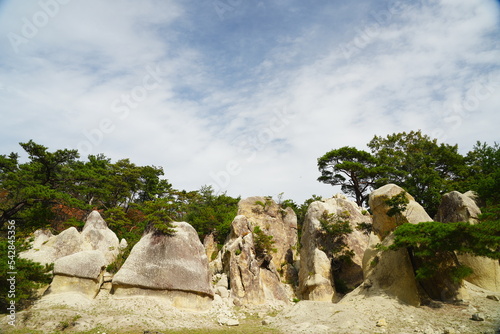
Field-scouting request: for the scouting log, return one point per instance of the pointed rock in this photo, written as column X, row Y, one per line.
column 175, row 267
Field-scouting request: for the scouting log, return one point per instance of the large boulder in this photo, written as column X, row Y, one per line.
column 440, row 286
column 384, row 224
column 458, row 207
column 387, row 271
column 174, row 267
column 315, row 275
column 81, row 272
column 47, row 248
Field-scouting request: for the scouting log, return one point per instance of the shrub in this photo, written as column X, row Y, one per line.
column 263, row 243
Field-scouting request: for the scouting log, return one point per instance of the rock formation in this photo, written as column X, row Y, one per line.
column 81, row 272
column 47, row 248
column 382, row 223
column 174, row 267
column 457, row 207
column 315, row 275
column 275, row 221
column 260, row 278
column 100, row 237
column 391, row 272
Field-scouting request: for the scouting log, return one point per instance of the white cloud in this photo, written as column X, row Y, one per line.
column 233, row 91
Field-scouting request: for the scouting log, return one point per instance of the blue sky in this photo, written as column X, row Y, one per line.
column 245, row 95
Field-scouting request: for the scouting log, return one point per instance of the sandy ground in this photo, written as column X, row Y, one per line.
column 353, row 314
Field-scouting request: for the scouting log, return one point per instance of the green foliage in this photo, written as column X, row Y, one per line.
column 418, row 164
column 352, row 169
column 29, row 277
column 209, row 213
column 366, row 228
column 397, row 205
column 432, row 241
column 483, row 175
column 263, row 243
column 157, row 217
column 335, row 227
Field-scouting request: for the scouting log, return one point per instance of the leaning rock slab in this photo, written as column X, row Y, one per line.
column 175, row 267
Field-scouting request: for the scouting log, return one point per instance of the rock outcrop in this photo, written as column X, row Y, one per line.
column 253, row 279
column 257, row 277
column 457, row 207
column 47, row 248
column 100, row 237
column 387, row 271
column 315, row 275
column 384, row 224
column 81, row 272
column 174, row 267
column 280, row 223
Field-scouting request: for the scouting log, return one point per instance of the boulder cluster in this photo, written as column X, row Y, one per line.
column 262, row 261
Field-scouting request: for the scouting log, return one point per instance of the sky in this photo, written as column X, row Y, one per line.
column 245, row 95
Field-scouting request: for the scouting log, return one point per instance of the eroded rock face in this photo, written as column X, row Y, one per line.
column 253, row 279
column 100, row 237
column 457, row 207
column 47, row 248
column 380, row 265
column 391, row 272
column 315, row 274
column 275, row 221
column 81, row 272
column 172, row 266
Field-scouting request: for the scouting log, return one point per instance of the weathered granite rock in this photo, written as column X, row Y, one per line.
column 276, row 221
column 391, row 272
column 47, row 248
column 457, row 207
column 315, row 274
column 252, row 279
column 65, row 243
column 100, row 237
column 81, row 272
column 211, row 248
column 175, row 267
column 382, row 223
column 381, row 265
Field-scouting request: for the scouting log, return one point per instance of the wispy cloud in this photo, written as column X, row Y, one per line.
column 255, row 94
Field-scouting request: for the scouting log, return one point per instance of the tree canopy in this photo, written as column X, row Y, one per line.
column 419, row 164
column 352, row 169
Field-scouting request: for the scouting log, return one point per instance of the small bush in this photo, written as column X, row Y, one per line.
column 263, row 242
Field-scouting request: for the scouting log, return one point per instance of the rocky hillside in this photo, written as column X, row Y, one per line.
column 263, row 280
